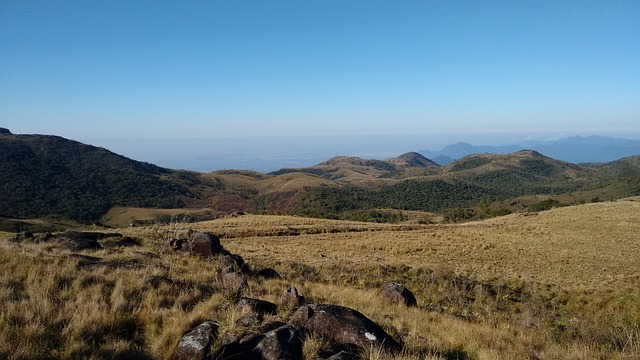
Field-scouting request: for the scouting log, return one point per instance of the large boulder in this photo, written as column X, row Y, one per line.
column 397, row 294
column 344, row 326
column 231, row 263
column 203, row 244
column 75, row 241
column 284, row 342
column 4, row 131
column 253, row 311
column 261, row 307
column 196, row 343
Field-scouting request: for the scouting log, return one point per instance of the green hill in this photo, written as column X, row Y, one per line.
column 52, row 176
column 48, row 176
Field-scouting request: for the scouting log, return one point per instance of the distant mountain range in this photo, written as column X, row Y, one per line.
column 575, row 149
column 50, row 176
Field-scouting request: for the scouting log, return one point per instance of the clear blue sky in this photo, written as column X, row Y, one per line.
column 84, row 69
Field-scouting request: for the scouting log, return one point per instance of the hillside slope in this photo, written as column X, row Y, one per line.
column 49, row 175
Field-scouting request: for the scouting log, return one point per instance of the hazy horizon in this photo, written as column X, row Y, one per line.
column 302, row 81
column 273, row 153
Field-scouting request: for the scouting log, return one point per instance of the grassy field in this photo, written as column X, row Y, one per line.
column 559, row 284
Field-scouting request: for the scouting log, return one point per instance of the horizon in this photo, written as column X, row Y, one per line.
column 271, row 153
column 254, row 69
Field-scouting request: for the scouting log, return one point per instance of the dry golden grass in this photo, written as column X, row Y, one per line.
column 267, row 184
column 562, row 284
column 119, row 216
column 581, row 247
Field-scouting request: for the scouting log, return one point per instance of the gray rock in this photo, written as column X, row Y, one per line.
column 176, row 244
column 291, row 298
column 260, row 307
column 203, row 244
column 344, row 326
column 231, row 263
column 284, row 342
column 81, row 240
column 196, row 343
column 397, row 294
column 21, row 236
column 76, row 242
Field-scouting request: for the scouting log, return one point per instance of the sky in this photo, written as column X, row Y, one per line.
column 254, row 73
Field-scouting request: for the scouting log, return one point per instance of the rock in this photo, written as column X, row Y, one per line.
column 343, row 325
column 233, row 281
column 85, row 261
column 231, row 263
column 196, row 343
column 237, row 213
column 4, row 131
column 261, row 307
column 397, row 294
column 268, row 273
column 76, row 241
column 343, row 355
column 291, row 298
column 176, row 244
column 204, row 244
column 284, row 342
column 21, row 236
column 43, row 238
column 253, row 311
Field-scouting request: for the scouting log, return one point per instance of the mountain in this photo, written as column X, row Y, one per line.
column 462, row 149
column 576, row 149
column 411, row 159
column 51, row 176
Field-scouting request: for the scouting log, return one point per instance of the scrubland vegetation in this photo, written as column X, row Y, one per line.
column 558, row 284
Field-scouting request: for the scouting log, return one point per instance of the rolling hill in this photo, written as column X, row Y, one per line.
column 49, row 176
column 52, row 176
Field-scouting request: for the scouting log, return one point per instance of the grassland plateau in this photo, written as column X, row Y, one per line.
column 558, row 284
column 515, row 256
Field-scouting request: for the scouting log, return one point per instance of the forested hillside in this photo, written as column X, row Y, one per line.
column 52, row 176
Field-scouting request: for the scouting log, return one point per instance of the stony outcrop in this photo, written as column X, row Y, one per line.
column 4, row 131
column 203, row 244
column 196, row 343
column 253, row 311
column 176, row 244
column 284, row 342
column 231, row 263
column 291, row 299
column 261, row 307
column 75, row 241
column 21, row 236
column 398, row 294
column 343, row 325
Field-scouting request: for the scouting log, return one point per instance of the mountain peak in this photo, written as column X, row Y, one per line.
column 411, row 159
